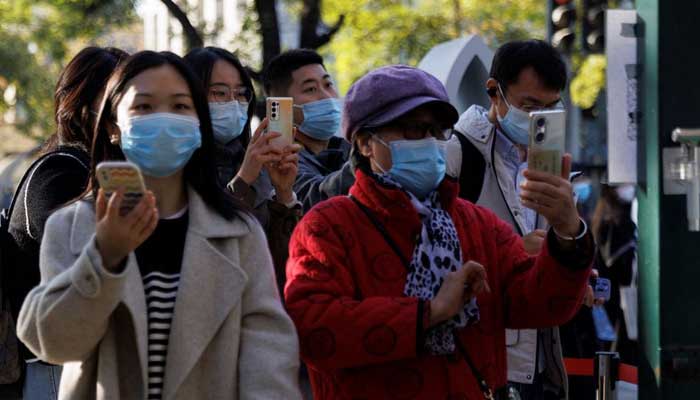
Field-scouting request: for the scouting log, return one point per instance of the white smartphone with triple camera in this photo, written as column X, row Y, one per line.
column 547, row 141
column 113, row 175
column 280, row 117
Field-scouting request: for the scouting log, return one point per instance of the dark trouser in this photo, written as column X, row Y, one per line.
column 41, row 381
column 535, row 390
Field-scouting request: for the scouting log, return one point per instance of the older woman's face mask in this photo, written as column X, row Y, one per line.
column 417, row 165
column 416, row 147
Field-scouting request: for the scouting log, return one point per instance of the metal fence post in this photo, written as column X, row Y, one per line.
column 606, row 367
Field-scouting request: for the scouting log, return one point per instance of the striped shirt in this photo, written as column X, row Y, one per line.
column 160, row 262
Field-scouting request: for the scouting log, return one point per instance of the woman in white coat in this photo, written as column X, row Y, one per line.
column 177, row 298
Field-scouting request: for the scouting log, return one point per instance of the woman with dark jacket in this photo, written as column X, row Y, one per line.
column 57, row 177
column 616, row 236
column 255, row 172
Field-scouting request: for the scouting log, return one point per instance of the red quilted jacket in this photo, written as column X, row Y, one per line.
column 362, row 338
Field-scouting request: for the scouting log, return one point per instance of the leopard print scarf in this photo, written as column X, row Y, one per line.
column 437, row 253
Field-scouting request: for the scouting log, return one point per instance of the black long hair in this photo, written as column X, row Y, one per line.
column 79, row 84
column 200, row 171
column 202, row 61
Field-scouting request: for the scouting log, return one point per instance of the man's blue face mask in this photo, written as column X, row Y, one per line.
column 321, row 118
column 516, row 122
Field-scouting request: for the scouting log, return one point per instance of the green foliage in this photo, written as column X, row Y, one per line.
column 35, row 42
column 589, row 81
column 380, row 32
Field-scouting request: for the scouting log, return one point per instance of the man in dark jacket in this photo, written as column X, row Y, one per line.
column 324, row 169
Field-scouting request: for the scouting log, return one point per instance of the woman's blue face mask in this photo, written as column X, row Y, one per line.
column 516, row 123
column 228, row 120
column 160, row 144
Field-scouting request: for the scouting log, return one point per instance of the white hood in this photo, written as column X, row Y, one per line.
column 475, row 123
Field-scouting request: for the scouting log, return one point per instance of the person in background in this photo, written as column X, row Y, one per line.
column 59, row 176
column 616, row 259
column 403, row 290
column 176, row 298
column 258, row 174
column 324, row 168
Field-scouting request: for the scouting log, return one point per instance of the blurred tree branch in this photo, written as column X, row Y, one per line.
column 314, row 32
column 269, row 29
column 193, row 38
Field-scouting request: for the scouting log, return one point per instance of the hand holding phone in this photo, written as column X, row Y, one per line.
column 116, row 175
column 259, row 153
column 119, row 233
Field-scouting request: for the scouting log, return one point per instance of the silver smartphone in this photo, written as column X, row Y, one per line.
column 547, row 141
column 280, row 117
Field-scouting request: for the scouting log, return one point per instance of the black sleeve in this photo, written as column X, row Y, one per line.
column 279, row 230
column 577, row 257
column 53, row 183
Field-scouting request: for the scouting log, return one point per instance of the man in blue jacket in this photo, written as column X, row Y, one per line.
column 324, row 169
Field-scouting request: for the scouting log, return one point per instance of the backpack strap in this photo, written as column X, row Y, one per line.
column 471, row 174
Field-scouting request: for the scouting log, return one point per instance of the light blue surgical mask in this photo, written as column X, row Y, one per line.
column 228, row 120
column 160, row 144
column 516, row 123
column 321, row 118
column 417, row 165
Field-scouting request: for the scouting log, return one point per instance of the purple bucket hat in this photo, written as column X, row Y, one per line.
column 387, row 93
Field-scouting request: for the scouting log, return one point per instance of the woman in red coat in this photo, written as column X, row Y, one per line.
column 402, row 290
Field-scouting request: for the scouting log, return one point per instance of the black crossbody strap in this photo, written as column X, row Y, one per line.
column 382, row 230
column 483, row 385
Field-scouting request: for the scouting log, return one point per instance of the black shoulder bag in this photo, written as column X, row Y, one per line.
column 10, row 363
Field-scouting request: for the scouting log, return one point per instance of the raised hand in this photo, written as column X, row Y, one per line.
column 118, row 235
column 552, row 197
column 259, row 153
column 283, row 174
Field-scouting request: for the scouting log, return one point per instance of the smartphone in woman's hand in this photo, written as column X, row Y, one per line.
column 115, row 175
